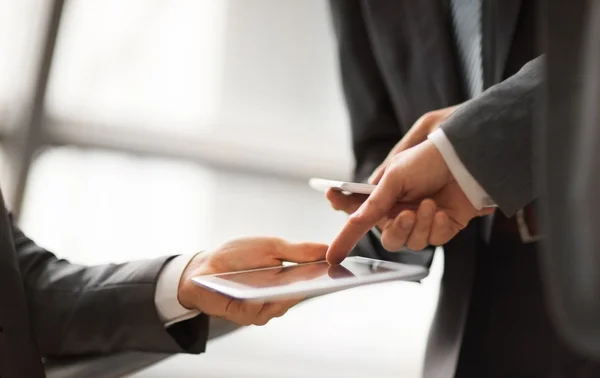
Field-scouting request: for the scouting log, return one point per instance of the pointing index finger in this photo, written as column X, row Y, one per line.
column 379, row 203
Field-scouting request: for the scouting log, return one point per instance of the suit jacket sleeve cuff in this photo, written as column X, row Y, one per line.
column 474, row 192
column 493, row 136
column 134, row 321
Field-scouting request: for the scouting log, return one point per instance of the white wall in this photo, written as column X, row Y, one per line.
column 254, row 73
column 21, row 25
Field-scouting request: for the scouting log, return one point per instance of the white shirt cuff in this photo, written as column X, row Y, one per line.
column 474, row 192
column 169, row 309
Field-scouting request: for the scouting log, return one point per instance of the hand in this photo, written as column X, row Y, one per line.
column 417, row 134
column 400, row 221
column 406, row 216
column 412, row 175
column 349, row 203
column 243, row 254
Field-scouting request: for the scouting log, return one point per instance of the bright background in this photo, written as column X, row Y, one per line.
column 170, row 126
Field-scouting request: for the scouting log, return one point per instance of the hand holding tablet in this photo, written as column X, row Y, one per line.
column 251, row 271
column 246, row 254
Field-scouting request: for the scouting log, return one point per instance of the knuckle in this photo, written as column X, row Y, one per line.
column 357, row 219
column 417, row 245
column 232, row 308
column 391, row 244
column 393, row 161
column 375, row 204
column 427, row 118
column 382, row 224
column 254, row 309
column 437, row 241
column 439, row 238
column 280, row 313
column 244, row 308
column 421, row 229
column 387, row 246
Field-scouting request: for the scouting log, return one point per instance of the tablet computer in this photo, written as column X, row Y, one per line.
column 308, row 279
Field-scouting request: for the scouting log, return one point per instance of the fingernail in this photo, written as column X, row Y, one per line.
column 407, row 223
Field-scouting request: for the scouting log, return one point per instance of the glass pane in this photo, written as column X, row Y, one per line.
column 22, row 24
column 247, row 204
column 252, row 71
column 95, row 206
column 4, row 174
column 140, row 63
column 280, row 72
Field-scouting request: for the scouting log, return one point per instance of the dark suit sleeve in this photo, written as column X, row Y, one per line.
column 375, row 128
column 76, row 310
column 492, row 136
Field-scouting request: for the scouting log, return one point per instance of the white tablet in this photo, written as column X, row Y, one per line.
column 344, row 186
column 310, row 279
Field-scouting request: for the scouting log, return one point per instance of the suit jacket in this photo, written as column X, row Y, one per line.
column 570, row 175
column 397, row 62
column 51, row 308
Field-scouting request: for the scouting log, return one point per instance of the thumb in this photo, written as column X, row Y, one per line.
column 301, row 252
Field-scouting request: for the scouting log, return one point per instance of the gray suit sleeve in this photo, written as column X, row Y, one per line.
column 78, row 310
column 492, row 136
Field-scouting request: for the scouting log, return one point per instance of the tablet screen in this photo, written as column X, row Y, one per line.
column 321, row 271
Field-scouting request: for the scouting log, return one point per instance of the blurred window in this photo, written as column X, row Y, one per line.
column 22, row 24
column 239, row 73
column 4, row 168
column 154, row 108
column 95, row 206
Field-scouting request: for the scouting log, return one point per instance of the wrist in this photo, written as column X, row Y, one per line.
column 186, row 290
column 477, row 196
column 437, row 162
